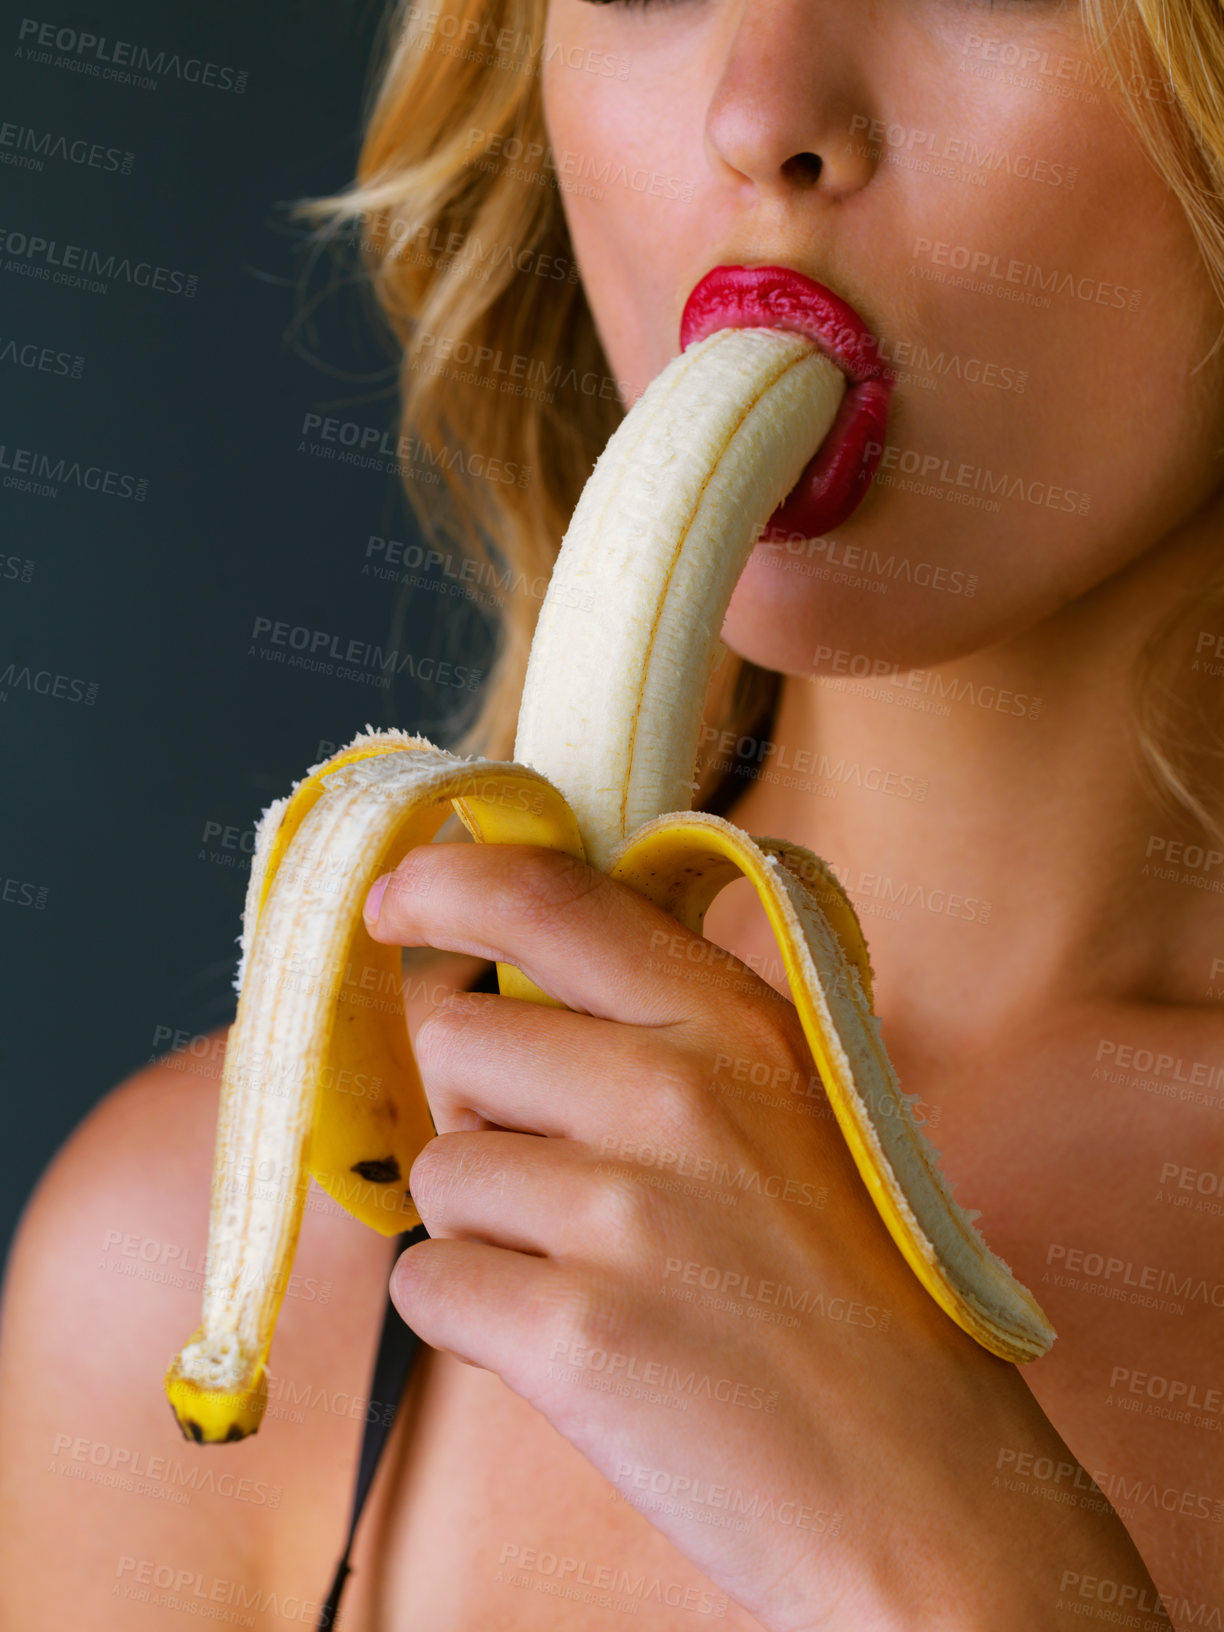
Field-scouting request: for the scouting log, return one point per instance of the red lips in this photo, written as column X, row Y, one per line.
column 833, row 482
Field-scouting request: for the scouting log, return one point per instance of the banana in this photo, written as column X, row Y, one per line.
column 319, row 1077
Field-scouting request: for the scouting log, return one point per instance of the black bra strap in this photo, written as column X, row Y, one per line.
column 397, row 1350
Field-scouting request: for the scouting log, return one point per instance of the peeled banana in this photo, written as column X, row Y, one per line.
column 319, row 1077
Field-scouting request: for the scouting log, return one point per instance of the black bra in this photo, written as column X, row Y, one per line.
column 398, row 1347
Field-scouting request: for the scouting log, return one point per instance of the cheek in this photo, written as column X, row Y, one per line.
column 996, row 506
column 628, row 164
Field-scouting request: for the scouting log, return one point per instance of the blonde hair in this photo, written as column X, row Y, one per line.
column 458, row 200
column 1167, row 59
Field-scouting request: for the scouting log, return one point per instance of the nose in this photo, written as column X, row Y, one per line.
column 789, row 85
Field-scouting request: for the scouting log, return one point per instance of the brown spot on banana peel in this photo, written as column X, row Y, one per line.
column 380, row 1171
column 188, row 1429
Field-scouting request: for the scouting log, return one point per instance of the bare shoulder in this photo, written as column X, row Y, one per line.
column 1094, row 1148
column 103, row 1285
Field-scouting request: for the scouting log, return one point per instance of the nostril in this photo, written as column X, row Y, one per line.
column 804, row 168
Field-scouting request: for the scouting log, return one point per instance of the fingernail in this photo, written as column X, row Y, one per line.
column 373, row 900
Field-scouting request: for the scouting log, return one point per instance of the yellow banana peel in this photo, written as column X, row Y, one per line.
column 319, row 1077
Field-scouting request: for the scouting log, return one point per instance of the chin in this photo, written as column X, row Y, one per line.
column 795, row 615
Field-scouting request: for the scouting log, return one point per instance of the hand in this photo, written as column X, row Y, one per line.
column 621, row 1223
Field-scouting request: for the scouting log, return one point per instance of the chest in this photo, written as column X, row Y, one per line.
column 490, row 1518
column 485, row 1515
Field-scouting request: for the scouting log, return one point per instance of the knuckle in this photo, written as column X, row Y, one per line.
column 680, row 1101
column 440, row 1034
column 549, row 1308
column 428, row 1171
column 458, row 1162
column 410, row 881
column 598, row 1313
column 416, row 1272
column 769, row 1033
column 782, row 1037
column 545, row 885
column 431, row 1040
column 619, row 1210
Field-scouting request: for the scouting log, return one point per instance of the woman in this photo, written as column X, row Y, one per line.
column 1022, row 203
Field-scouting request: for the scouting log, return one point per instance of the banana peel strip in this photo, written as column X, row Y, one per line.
column 320, row 1042
column 681, row 862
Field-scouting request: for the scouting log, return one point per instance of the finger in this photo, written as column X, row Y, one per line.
column 507, row 1189
column 652, row 1113
column 588, row 940
column 526, row 1067
column 492, row 1307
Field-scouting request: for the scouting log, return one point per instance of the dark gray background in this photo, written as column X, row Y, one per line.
column 106, row 822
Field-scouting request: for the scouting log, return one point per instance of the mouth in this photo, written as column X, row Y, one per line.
column 834, row 481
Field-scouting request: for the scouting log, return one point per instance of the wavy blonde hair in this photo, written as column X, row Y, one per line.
column 468, row 255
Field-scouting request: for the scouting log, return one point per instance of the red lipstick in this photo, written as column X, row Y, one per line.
column 837, row 476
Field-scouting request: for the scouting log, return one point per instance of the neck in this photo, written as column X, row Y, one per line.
column 991, row 821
